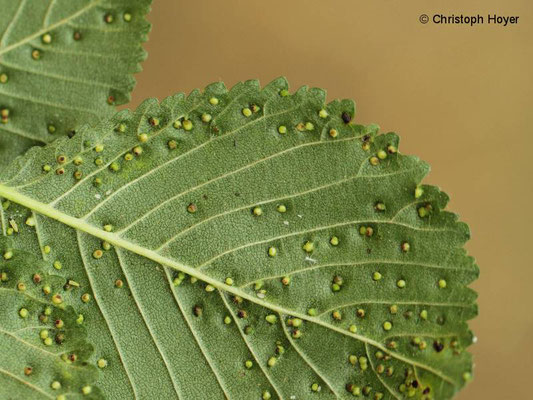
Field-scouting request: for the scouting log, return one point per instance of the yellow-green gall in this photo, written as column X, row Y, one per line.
column 281, row 208
column 59, row 324
column 323, row 113
column 23, row 313
column 282, row 129
column 334, row 241
column 213, row 101
column 209, row 288
column 143, row 137
column 271, row 319
column 387, row 325
column 8, row 255
column 424, row 314
column 3, row 78
column 309, row 126
column 308, row 247
column 102, row 363
column 46, row 38
column 374, row 160
column 43, row 334
column 352, row 328
column 418, row 192
column 206, row 117
column 380, row 206
column 227, row 320
column 423, row 212
column 296, row 334
column 295, row 322
column 257, row 211
column 121, row 128
column 442, row 283
column 336, row 315
column 187, row 125
column 312, row 312
column 246, row 112
column 99, row 148
column 401, row 283
column 272, row 361
column 55, row 385
column 266, row 395
column 172, row 144
column 315, row 387
column 393, row 309
column 405, row 247
column 80, row 319
column 352, row 359
column 272, row 251
column 57, row 265
column 382, row 154
column 86, row 390
column 248, row 364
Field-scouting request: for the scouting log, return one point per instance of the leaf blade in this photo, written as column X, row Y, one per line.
column 330, row 187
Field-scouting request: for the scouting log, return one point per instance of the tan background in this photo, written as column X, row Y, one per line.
column 459, row 96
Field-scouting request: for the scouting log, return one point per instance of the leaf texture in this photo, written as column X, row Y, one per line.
column 64, row 63
column 268, row 248
column 44, row 344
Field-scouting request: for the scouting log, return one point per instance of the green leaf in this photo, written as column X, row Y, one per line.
column 253, row 228
column 64, row 63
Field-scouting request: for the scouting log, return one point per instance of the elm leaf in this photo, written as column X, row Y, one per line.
column 253, row 244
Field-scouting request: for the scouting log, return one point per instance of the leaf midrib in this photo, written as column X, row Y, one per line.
column 112, row 238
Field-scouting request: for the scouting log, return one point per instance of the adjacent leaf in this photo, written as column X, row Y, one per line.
column 44, row 342
column 64, row 63
column 253, row 244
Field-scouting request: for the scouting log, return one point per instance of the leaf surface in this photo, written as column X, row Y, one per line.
column 64, row 63
column 253, row 228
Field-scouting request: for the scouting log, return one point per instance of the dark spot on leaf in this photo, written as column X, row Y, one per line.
column 346, row 117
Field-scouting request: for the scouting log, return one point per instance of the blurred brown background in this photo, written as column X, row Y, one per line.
column 459, row 96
